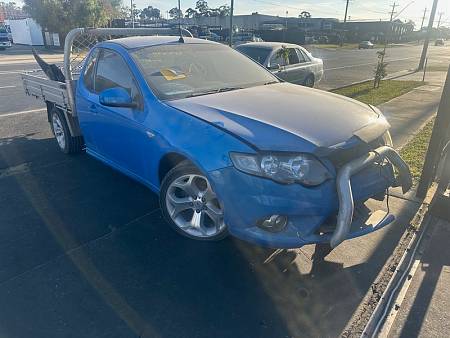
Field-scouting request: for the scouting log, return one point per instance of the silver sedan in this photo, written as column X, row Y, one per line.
column 291, row 63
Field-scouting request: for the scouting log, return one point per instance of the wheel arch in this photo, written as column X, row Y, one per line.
column 169, row 161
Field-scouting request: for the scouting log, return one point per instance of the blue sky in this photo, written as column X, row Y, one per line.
column 358, row 9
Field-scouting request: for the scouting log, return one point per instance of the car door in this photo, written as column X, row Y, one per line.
column 306, row 66
column 277, row 65
column 85, row 99
column 294, row 73
column 119, row 132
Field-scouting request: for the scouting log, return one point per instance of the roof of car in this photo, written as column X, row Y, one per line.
column 268, row 45
column 147, row 41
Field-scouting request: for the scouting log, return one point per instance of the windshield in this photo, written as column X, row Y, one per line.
column 258, row 54
column 186, row 70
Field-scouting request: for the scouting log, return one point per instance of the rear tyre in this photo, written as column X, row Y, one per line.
column 309, row 81
column 67, row 143
column 190, row 206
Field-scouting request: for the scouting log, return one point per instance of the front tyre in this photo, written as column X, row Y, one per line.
column 67, row 143
column 190, row 205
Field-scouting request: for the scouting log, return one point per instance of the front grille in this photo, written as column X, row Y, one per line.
column 343, row 156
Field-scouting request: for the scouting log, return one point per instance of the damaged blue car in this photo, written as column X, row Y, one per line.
column 229, row 148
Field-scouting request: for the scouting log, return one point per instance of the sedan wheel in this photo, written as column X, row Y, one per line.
column 309, row 81
column 190, row 205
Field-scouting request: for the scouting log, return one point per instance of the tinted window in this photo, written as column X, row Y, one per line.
column 293, row 57
column 176, row 71
column 277, row 59
column 89, row 70
column 256, row 53
column 113, row 72
column 303, row 57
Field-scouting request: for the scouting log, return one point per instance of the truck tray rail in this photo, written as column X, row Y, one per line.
column 36, row 84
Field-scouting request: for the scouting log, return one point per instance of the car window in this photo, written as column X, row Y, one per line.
column 303, row 56
column 293, row 57
column 277, row 59
column 300, row 55
column 113, row 72
column 256, row 53
column 89, row 70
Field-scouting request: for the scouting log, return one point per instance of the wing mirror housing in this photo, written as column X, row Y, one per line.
column 275, row 66
column 116, row 97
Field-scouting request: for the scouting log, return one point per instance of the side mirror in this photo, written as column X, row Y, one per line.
column 116, row 97
column 275, row 66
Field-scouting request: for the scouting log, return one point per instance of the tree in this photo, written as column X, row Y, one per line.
column 191, row 13
column 202, row 8
column 224, row 10
column 60, row 16
column 380, row 69
column 305, row 15
column 150, row 13
column 175, row 13
column 283, row 53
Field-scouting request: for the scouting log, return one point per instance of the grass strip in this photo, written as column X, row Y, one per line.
column 413, row 153
column 388, row 90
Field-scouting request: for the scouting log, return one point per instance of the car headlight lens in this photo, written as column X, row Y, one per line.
column 302, row 168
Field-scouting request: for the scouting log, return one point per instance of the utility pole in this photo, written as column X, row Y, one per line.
column 427, row 37
column 286, row 27
column 231, row 22
column 439, row 21
column 132, row 14
column 345, row 21
column 381, row 61
column 423, row 18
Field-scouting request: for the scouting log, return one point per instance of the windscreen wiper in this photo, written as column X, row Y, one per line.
column 214, row 91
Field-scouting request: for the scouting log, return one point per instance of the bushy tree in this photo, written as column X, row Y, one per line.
column 201, row 6
column 150, row 13
column 175, row 13
column 191, row 13
column 60, row 16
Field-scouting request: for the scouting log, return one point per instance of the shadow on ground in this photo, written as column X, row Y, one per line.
column 85, row 253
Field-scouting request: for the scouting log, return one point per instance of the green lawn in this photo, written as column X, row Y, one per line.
column 388, row 90
column 415, row 150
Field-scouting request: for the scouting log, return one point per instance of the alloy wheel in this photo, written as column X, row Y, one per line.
column 193, row 206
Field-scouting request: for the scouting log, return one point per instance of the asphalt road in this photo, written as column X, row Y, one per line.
column 85, row 253
column 345, row 66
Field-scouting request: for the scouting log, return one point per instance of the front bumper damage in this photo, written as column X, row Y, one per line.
column 312, row 211
column 344, row 188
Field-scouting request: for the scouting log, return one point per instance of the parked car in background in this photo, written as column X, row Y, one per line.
column 245, row 37
column 439, row 42
column 211, row 36
column 300, row 67
column 5, row 41
column 365, row 45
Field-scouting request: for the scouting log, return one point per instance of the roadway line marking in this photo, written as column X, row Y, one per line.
column 4, row 87
column 23, row 112
column 17, row 71
column 370, row 64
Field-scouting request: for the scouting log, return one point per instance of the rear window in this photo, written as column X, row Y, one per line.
column 256, row 53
